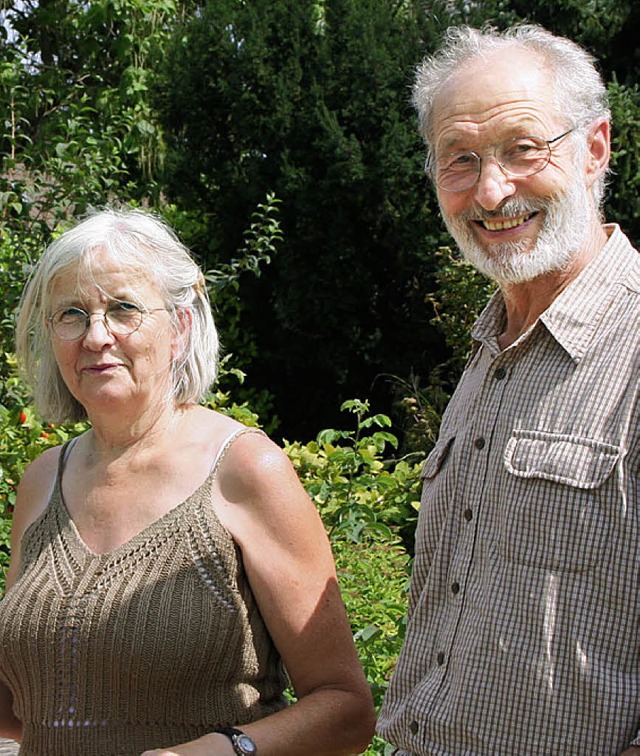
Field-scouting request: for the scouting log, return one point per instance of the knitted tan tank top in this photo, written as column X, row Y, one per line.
column 153, row 644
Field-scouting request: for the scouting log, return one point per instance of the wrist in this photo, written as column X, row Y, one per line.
column 242, row 744
column 219, row 744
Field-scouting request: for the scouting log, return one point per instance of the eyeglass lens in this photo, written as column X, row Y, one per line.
column 71, row 323
column 522, row 156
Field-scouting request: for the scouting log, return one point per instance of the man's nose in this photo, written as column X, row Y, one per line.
column 493, row 185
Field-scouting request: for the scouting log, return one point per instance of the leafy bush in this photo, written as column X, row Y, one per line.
column 23, row 437
column 374, row 579
column 368, row 502
column 358, row 492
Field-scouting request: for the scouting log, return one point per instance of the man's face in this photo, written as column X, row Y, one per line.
column 512, row 229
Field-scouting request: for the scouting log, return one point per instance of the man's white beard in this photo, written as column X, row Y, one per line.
column 565, row 227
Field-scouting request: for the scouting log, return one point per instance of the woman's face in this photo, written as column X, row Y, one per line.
column 107, row 371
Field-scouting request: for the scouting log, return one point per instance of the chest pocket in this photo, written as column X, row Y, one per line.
column 555, row 509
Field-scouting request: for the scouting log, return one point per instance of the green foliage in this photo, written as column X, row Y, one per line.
column 368, row 502
column 17, row 252
column 608, row 28
column 79, row 76
column 461, row 295
column 23, row 436
column 374, row 579
column 261, row 241
column 226, row 284
column 222, row 399
column 311, row 102
column 357, row 490
column 623, row 204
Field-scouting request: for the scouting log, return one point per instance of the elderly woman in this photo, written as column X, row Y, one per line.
column 167, row 566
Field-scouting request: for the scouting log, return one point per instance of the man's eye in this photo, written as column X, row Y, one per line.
column 522, row 148
column 457, row 161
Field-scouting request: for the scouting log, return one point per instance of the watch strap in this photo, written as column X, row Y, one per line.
column 233, row 733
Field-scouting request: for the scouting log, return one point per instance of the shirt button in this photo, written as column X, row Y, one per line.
column 479, row 443
column 500, row 374
column 440, row 658
column 414, row 727
column 455, row 588
column 468, row 515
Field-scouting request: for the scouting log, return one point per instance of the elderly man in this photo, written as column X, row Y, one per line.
column 524, row 633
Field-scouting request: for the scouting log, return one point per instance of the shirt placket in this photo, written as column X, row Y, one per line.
column 479, row 455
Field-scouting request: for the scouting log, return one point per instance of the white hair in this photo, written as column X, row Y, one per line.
column 133, row 238
column 579, row 91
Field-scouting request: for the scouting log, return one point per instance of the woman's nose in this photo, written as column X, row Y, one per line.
column 98, row 333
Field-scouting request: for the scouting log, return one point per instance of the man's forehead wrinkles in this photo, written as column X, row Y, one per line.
column 480, row 112
column 495, row 126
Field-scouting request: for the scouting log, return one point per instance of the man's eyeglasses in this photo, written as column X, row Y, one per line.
column 519, row 157
column 121, row 318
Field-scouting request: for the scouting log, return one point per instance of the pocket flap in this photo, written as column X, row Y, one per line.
column 563, row 458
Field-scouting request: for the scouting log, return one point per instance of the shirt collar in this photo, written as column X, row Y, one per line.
column 573, row 316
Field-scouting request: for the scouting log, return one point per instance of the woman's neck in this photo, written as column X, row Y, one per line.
column 112, row 436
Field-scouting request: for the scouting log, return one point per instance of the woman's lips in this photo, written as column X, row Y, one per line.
column 99, row 369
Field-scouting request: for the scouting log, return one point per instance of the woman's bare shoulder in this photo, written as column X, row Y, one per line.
column 38, row 476
column 253, row 460
column 31, row 501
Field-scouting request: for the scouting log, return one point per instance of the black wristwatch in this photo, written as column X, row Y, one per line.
column 242, row 744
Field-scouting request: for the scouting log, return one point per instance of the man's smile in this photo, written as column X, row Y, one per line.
column 504, row 224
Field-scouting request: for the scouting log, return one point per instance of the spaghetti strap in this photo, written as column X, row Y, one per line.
column 62, row 461
column 224, row 447
column 66, row 450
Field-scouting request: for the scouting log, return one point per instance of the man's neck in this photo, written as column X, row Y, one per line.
column 525, row 302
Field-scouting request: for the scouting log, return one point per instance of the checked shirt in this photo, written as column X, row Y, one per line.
column 523, row 632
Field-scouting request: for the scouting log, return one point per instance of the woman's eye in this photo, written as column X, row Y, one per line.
column 124, row 307
column 70, row 313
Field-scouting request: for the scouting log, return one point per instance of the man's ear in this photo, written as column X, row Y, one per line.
column 598, row 151
column 181, row 336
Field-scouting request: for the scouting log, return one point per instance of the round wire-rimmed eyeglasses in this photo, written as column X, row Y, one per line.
column 518, row 157
column 120, row 318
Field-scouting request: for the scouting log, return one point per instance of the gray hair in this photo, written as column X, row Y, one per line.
column 579, row 91
column 134, row 238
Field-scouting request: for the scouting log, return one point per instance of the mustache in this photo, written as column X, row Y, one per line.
column 511, row 208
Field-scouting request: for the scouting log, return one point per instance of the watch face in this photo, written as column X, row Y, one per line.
column 246, row 744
